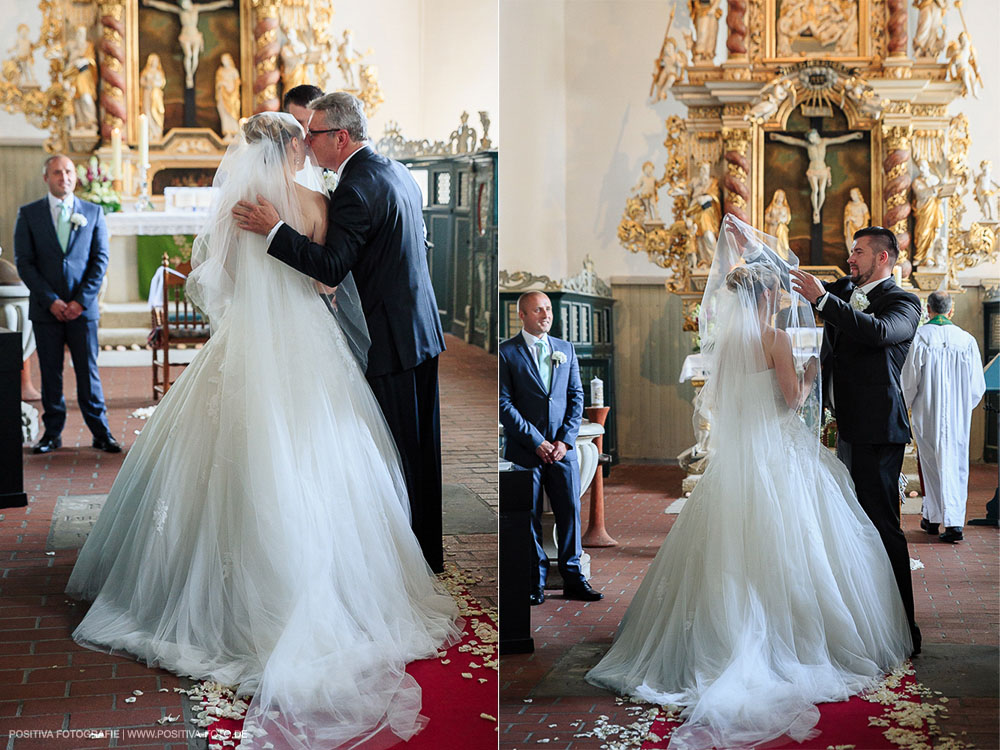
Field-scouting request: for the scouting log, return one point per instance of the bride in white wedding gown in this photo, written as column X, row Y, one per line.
column 258, row 532
column 772, row 591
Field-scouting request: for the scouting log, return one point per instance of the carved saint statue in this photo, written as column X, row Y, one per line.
column 669, row 69
column 191, row 40
column 647, row 190
column 817, row 173
column 929, row 39
column 81, row 61
column 928, row 213
column 986, row 189
column 777, row 217
column 766, row 108
column 227, row 95
column 856, row 216
column 295, row 57
column 962, row 65
column 705, row 15
column 347, row 56
column 151, row 81
column 24, row 56
column 705, row 210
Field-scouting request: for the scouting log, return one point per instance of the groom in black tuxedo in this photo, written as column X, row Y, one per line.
column 869, row 323
column 376, row 231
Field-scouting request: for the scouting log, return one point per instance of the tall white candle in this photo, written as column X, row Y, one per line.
column 143, row 141
column 596, row 392
column 116, row 154
column 897, row 275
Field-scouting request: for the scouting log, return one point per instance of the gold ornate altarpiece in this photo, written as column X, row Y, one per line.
column 113, row 28
column 854, row 63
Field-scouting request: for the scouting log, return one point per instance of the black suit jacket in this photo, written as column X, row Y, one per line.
column 376, row 231
column 862, row 357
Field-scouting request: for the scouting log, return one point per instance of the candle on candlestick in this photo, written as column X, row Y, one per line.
column 116, row 154
column 596, row 392
column 143, row 141
column 897, row 275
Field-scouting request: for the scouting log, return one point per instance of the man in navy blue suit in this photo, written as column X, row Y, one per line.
column 376, row 232
column 61, row 252
column 541, row 406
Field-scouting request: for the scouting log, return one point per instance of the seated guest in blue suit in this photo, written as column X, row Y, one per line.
column 541, row 406
column 61, row 251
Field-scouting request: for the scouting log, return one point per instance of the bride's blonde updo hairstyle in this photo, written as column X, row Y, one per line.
column 267, row 126
column 754, row 278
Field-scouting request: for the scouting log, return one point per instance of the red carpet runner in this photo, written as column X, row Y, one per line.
column 459, row 687
column 900, row 713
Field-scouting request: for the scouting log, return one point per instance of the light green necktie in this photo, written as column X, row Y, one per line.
column 62, row 227
column 544, row 364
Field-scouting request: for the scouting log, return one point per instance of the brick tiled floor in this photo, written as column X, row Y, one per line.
column 47, row 682
column 541, row 693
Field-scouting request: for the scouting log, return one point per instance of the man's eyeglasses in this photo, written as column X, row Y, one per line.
column 312, row 133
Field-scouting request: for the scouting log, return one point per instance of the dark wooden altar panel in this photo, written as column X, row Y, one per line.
column 785, row 167
column 159, row 32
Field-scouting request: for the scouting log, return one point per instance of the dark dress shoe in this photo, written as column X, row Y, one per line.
column 107, row 444
column 537, row 597
column 930, row 528
column 952, row 534
column 47, row 444
column 582, row 592
column 915, row 635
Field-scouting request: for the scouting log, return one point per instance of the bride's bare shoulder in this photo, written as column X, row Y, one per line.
column 310, row 199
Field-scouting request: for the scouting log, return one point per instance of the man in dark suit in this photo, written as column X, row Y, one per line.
column 541, row 405
column 61, row 251
column 869, row 323
column 376, row 231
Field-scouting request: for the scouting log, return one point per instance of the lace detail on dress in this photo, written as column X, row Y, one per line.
column 160, row 515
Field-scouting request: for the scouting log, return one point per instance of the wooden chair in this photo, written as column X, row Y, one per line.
column 175, row 321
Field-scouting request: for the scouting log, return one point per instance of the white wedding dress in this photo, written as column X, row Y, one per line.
column 258, row 533
column 772, row 592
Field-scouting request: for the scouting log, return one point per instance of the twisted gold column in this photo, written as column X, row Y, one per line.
column 896, row 167
column 112, row 64
column 736, row 22
column 737, row 193
column 265, row 56
column 897, row 27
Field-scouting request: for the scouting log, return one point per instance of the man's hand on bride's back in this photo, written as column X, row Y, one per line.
column 259, row 217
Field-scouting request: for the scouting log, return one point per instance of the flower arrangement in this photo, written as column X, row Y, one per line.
column 95, row 186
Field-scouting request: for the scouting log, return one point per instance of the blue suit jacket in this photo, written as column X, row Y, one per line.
column 47, row 272
column 376, row 231
column 528, row 413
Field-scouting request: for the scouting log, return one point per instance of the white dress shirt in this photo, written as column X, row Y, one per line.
column 865, row 288
column 532, row 341
column 55, row 207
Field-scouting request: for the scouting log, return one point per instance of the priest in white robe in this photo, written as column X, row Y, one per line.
column 942, row 383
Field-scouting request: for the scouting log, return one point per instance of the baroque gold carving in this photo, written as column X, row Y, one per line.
column 737, row 192
column 48, row 108
column 704, row 113
column 897, row 184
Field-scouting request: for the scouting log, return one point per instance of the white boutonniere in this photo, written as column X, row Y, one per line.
column 329, row 180
column 558, row 358
column 78, row 220
column 859, row 300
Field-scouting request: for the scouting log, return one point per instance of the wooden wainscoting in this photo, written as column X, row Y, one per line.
column 654, row 410
column 20, row 183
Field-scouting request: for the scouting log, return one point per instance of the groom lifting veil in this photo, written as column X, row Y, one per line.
column 376, row 232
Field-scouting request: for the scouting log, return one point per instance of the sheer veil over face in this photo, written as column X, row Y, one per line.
column 748, row 296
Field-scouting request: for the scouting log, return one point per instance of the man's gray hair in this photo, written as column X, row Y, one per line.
column 939, row 303
column 45, row 166
column 343, row 111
